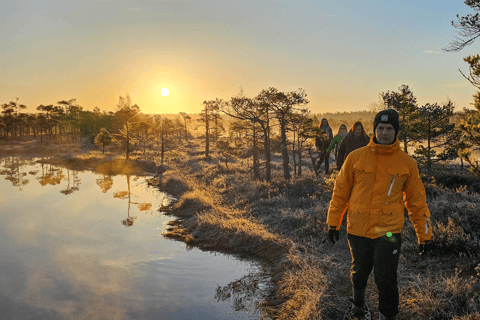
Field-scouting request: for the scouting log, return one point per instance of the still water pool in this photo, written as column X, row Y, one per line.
column 79, row 245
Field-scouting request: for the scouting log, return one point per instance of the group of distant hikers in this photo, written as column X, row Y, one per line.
column 376, row 181
column 342, row 143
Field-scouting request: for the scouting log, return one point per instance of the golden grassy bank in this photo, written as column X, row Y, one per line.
column 283, row 223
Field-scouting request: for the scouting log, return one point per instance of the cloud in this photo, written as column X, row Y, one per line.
column 94, row 290
column 431, row 52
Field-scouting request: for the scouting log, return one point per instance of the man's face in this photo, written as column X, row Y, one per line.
column 385, row 133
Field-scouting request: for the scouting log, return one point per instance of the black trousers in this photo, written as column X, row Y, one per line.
column 324, row 157
column 382, row 256
column 327, row 160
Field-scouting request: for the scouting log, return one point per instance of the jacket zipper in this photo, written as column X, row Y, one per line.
column 391, row 186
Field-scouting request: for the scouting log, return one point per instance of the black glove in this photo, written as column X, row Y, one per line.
column 425, row 248
column 333, row 234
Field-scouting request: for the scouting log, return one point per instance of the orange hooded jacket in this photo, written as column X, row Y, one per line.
column 374, row 183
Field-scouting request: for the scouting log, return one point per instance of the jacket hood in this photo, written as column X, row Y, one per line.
column 384, row 148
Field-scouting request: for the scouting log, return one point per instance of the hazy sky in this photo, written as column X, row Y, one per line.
column 343, row 53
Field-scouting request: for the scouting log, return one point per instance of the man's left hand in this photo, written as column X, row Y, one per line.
column 333, row 234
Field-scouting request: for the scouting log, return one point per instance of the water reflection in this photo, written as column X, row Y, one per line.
column 11, row 171
column 50, row 175
column 77, row 287
column 69, row 258
column 127, row 194
column 72, row 186
column 105, row 183
column 246, row 292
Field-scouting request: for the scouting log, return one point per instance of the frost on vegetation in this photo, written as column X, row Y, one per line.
column 222, row 182
column 329, row 181
column 304, row 286
column 451, row 238
column 293, row 219
column 441, row 296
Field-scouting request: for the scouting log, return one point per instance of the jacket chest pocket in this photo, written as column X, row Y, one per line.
column 398, row 176
column 364, row 174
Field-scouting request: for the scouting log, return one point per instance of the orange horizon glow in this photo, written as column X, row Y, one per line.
column 96, row 51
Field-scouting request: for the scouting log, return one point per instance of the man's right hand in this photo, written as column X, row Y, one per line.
column 333, row 234
column 425, row 248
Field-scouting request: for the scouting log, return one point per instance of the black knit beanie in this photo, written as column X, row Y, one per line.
column 387, row 116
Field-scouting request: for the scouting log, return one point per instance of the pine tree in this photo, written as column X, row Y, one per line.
column 282, row 106
column 246, row 109
column 405, row 103
column 471, row 127
column 127, row 114
column 435, row 130
column 469, row 31
column 103, row 138
column 209, row 117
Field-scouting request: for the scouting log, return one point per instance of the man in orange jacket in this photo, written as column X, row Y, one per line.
column 376, row 183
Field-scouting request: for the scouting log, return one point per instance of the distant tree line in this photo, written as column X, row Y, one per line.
column 348, row 118
column 271, row 122
column 279, row 121
column 66, row 120
column 127, row 128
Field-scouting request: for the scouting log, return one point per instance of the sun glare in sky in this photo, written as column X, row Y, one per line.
column 209, row 49
column 165, row 92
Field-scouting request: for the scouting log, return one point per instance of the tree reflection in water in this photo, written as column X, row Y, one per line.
column 11, row 170
column 127, row 194
column 246, row 292
column 105, row 183
column 75, row 183
column 50, row 175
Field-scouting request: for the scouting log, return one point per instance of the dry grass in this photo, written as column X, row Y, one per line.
column 29, row 147
column 446, row 296
column 310, row 276
column 304, row 299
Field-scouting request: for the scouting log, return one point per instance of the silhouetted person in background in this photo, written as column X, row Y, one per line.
column 377, row 182
column 322, row 143
column 335, row 143
column 356, row 138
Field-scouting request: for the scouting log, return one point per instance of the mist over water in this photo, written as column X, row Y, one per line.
column 79, row 245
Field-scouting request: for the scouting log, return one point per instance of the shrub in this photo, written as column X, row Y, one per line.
column 451, row 238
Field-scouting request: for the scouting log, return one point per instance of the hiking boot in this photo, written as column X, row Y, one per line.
column 356, row 313
column 382, row 317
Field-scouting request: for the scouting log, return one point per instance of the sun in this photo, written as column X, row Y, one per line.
column 165, row 92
